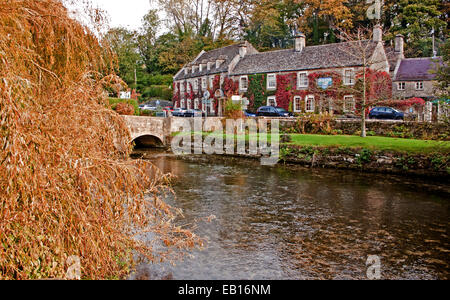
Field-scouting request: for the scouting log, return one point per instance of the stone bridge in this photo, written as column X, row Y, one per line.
column 149, row 131
column 156, row 132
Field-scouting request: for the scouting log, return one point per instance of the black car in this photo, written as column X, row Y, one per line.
column 386, row 113
column 270, row 111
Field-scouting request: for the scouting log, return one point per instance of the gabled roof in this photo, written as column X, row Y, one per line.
column 227, row 54
column 417, row 69
column 311, row 58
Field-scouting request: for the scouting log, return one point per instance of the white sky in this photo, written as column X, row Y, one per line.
column 125, row 13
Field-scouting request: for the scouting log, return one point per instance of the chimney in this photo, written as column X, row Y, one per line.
column 242, row 49
column 399, row 44
column 300, row 42
column 378, row 33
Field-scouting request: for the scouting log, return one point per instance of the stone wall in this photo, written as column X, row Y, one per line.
column 416, row 130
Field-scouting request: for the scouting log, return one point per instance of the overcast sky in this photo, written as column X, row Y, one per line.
column 125, row 13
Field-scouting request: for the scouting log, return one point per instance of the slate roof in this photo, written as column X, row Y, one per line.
column 226, row 53
column 417, row 69
column 311, row 58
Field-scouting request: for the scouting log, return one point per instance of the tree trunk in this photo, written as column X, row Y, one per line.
column 363, row 106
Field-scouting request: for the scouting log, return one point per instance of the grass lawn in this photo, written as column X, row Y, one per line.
column 348, row 141
column 375, row 143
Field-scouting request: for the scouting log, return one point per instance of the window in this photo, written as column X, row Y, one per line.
column 243, row 83
column 182, row 87
column 401, row 86
column 297, row 104
column 349, row 104
column 209, row 66
column 194, row 69
column 222, row 79
column 271, row 82
column 204, row 83
column 196, row 104
column 211, row 82
column 303, row 81
column 419, row 85
column 200, row 68
column 188, row 106
column 189, row 85
column 349, row 77
column 195, row 85
column 310, row 105
column 272, row 101
column 182, row 104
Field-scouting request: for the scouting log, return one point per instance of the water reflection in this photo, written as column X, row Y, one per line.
column 283, row 223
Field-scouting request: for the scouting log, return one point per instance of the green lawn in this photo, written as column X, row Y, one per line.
column 375, row 143
column 348, row 141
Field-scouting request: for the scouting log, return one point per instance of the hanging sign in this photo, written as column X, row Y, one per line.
column 325, row 82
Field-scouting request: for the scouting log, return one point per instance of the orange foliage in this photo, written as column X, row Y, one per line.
column 67, row 186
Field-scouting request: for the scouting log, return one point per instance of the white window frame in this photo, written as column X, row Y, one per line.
column 204, row 83
column 241, row 87
column 196, row 103
column 352, row 79
column 188, row 86
column 195, row 85
column 208, row 66
column 181, row 87
column 297, row 99
column 188, row 104
column 274, row 99
column 313, row 109
column 401, row 86
column 222, row 79
column 299, row 84
column 211, row 82
column 269, row 76
column 420, row 86
column 346, row 97
column 182, row 103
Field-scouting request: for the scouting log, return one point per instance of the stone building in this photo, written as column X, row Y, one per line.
column 298, row 79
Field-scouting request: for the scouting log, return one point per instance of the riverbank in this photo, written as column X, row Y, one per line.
column 373, row 154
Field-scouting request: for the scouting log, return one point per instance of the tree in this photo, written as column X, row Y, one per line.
column 124, row 43
column 146, row 40
column 443, row 72
column 371, row 86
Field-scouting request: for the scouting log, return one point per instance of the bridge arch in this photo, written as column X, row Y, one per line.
column 148, row 140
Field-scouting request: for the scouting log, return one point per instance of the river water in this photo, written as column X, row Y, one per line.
column 296, row 223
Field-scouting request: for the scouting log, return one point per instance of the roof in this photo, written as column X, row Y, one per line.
column 393, row 57
column 227, row 54
column 414, row 69
column 311, row 58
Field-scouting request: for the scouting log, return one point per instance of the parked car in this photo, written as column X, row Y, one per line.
column 270, row 111
column 249, row 114
column 386, row 113
column 178, row 112
column 147, row 107
column 193, row 113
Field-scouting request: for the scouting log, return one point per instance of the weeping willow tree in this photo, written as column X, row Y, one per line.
column 67, row 186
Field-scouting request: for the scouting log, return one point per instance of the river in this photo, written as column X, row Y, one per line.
column 294, row 223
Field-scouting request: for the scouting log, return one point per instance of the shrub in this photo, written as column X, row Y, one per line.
column 125, row 109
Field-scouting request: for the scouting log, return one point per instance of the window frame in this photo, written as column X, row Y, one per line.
column 307, row 98
column 422, row 86
column 299, row 99
column 401, row 86
column 299, row 86
column 270, row 88
column 274, row 98
column 353, row 103
column 241, row 88
column 204, row 83
column 352, row 79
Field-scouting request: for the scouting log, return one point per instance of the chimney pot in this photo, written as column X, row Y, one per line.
column 399, row 44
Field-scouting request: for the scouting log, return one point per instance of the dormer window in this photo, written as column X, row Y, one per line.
column 209, row 66
column 200, row 68
column 218, row 63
